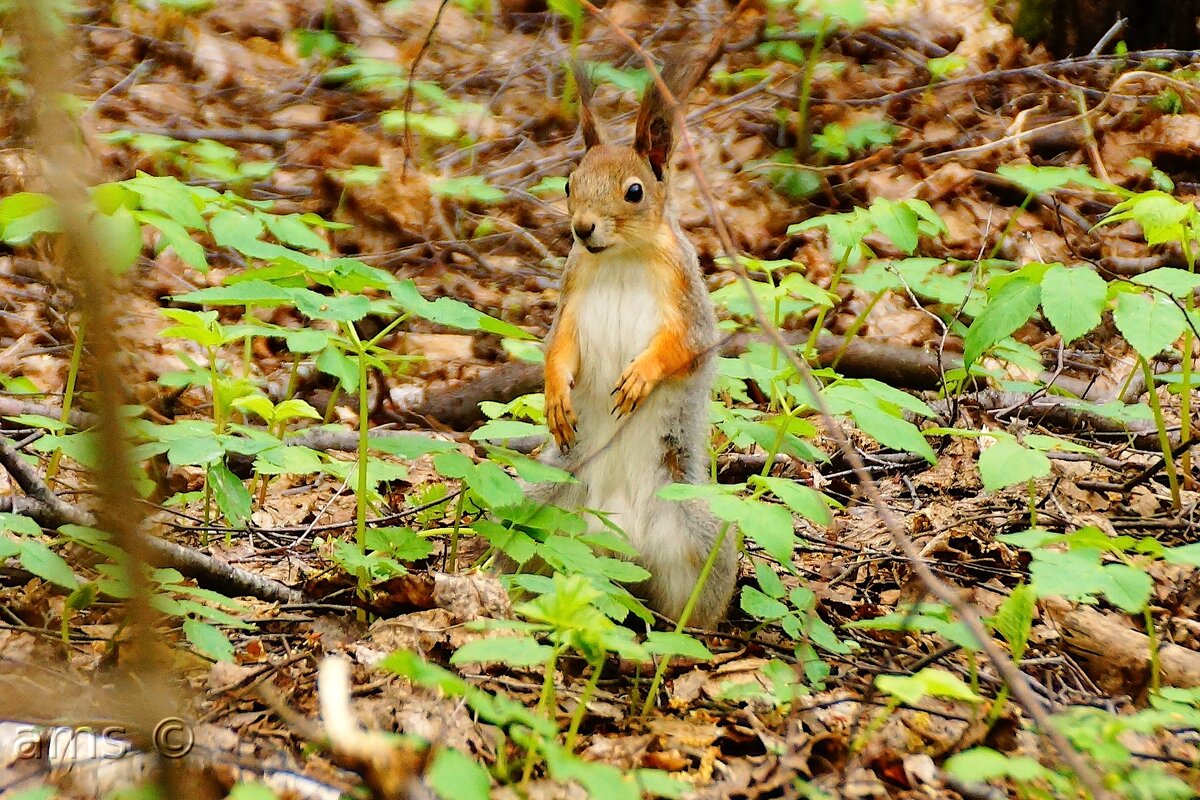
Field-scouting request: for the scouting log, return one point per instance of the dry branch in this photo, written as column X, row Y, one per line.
column 1117, row 657
column 50, row 511
column 456, row 405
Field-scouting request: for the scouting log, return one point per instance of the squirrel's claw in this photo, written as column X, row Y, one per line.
column 633, row 388
column 561, row 420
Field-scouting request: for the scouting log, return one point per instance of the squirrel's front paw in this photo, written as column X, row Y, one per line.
column 635, row 385
column 561, row 419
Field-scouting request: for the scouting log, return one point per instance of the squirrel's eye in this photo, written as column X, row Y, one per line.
column 634, row 193
column 567, row 188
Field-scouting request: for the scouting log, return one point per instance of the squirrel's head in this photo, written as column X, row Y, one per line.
column 615, row 199
column 617, row 195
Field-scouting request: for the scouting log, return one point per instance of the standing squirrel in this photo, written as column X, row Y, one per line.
column 629, row 362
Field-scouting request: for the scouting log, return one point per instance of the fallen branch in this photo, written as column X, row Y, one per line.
column 456, row 405
column 50, row 511
column 1053, row 411
column 1116, row 656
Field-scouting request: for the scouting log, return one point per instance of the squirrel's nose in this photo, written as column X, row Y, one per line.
column 583, row 231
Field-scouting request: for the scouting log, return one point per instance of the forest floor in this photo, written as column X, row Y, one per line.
column 936, row 96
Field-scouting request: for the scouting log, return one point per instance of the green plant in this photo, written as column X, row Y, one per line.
column 197, row 611
column 517, row 726
column 836, row 143
column 1102, row 735
column 11, row 70
column 902, row 222
column 203, row 160
column 910, row 690
column 945, row 67
column 818, row 18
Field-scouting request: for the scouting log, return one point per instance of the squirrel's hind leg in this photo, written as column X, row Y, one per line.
column 675, row 571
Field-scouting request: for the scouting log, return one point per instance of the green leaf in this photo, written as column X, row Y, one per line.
column 768, row 581
column 504, row 429
column 411, row 445
column 292, row 231
column 1127, row 587
column 251, row 791
column 1075, row 574
column 195, row 451
column 168, row 197
column 759, row 606
column 1187, row 555
column 209, row 640
column 802, row 500
column 177, row 238
column 24, row 525
column 236, row 230
column 1014, row 618
column 494, row 485
column 39, row 421
column 1073, row 299
column 334, row 362
column 27, row 213
column 896, row 221
column 337, row 308
column 230, row 493
column 256, row 404
column 1037, row 180
column 883, row 424
column 1009, row 309
column 657, row 783
column 929, row 682
column 1150, row 323
column 467, row 188
column 438, row 127
column 521, row 651
column 1007, row 462
column 251, row 292
column 551, row 184
column 628, row 80
column 46, row 564
column 1175, row 282
column 769, row 525
column 1160, row 215
column 669, row 643
column 404, row 544
column 981, row 764
column 456, row 776
column 572, row 10
column 119, row 237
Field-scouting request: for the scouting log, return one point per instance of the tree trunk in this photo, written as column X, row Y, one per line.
column 1072, row 27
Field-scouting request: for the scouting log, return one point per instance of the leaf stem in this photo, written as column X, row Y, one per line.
column 661, row 671
column 1164, row 441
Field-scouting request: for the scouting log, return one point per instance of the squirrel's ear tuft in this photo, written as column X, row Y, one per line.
column 654, row 133
column 587, row 120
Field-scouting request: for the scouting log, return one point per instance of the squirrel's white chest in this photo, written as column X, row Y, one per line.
column 622, row 456
column 618, row 316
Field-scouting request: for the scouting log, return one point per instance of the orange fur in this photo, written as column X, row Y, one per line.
column 562, row 362
column 669, row 353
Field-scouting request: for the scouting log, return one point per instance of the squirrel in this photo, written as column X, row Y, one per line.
column 629, row 362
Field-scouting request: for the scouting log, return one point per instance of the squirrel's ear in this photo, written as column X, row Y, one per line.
column 654, row 133
column 587, row 120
